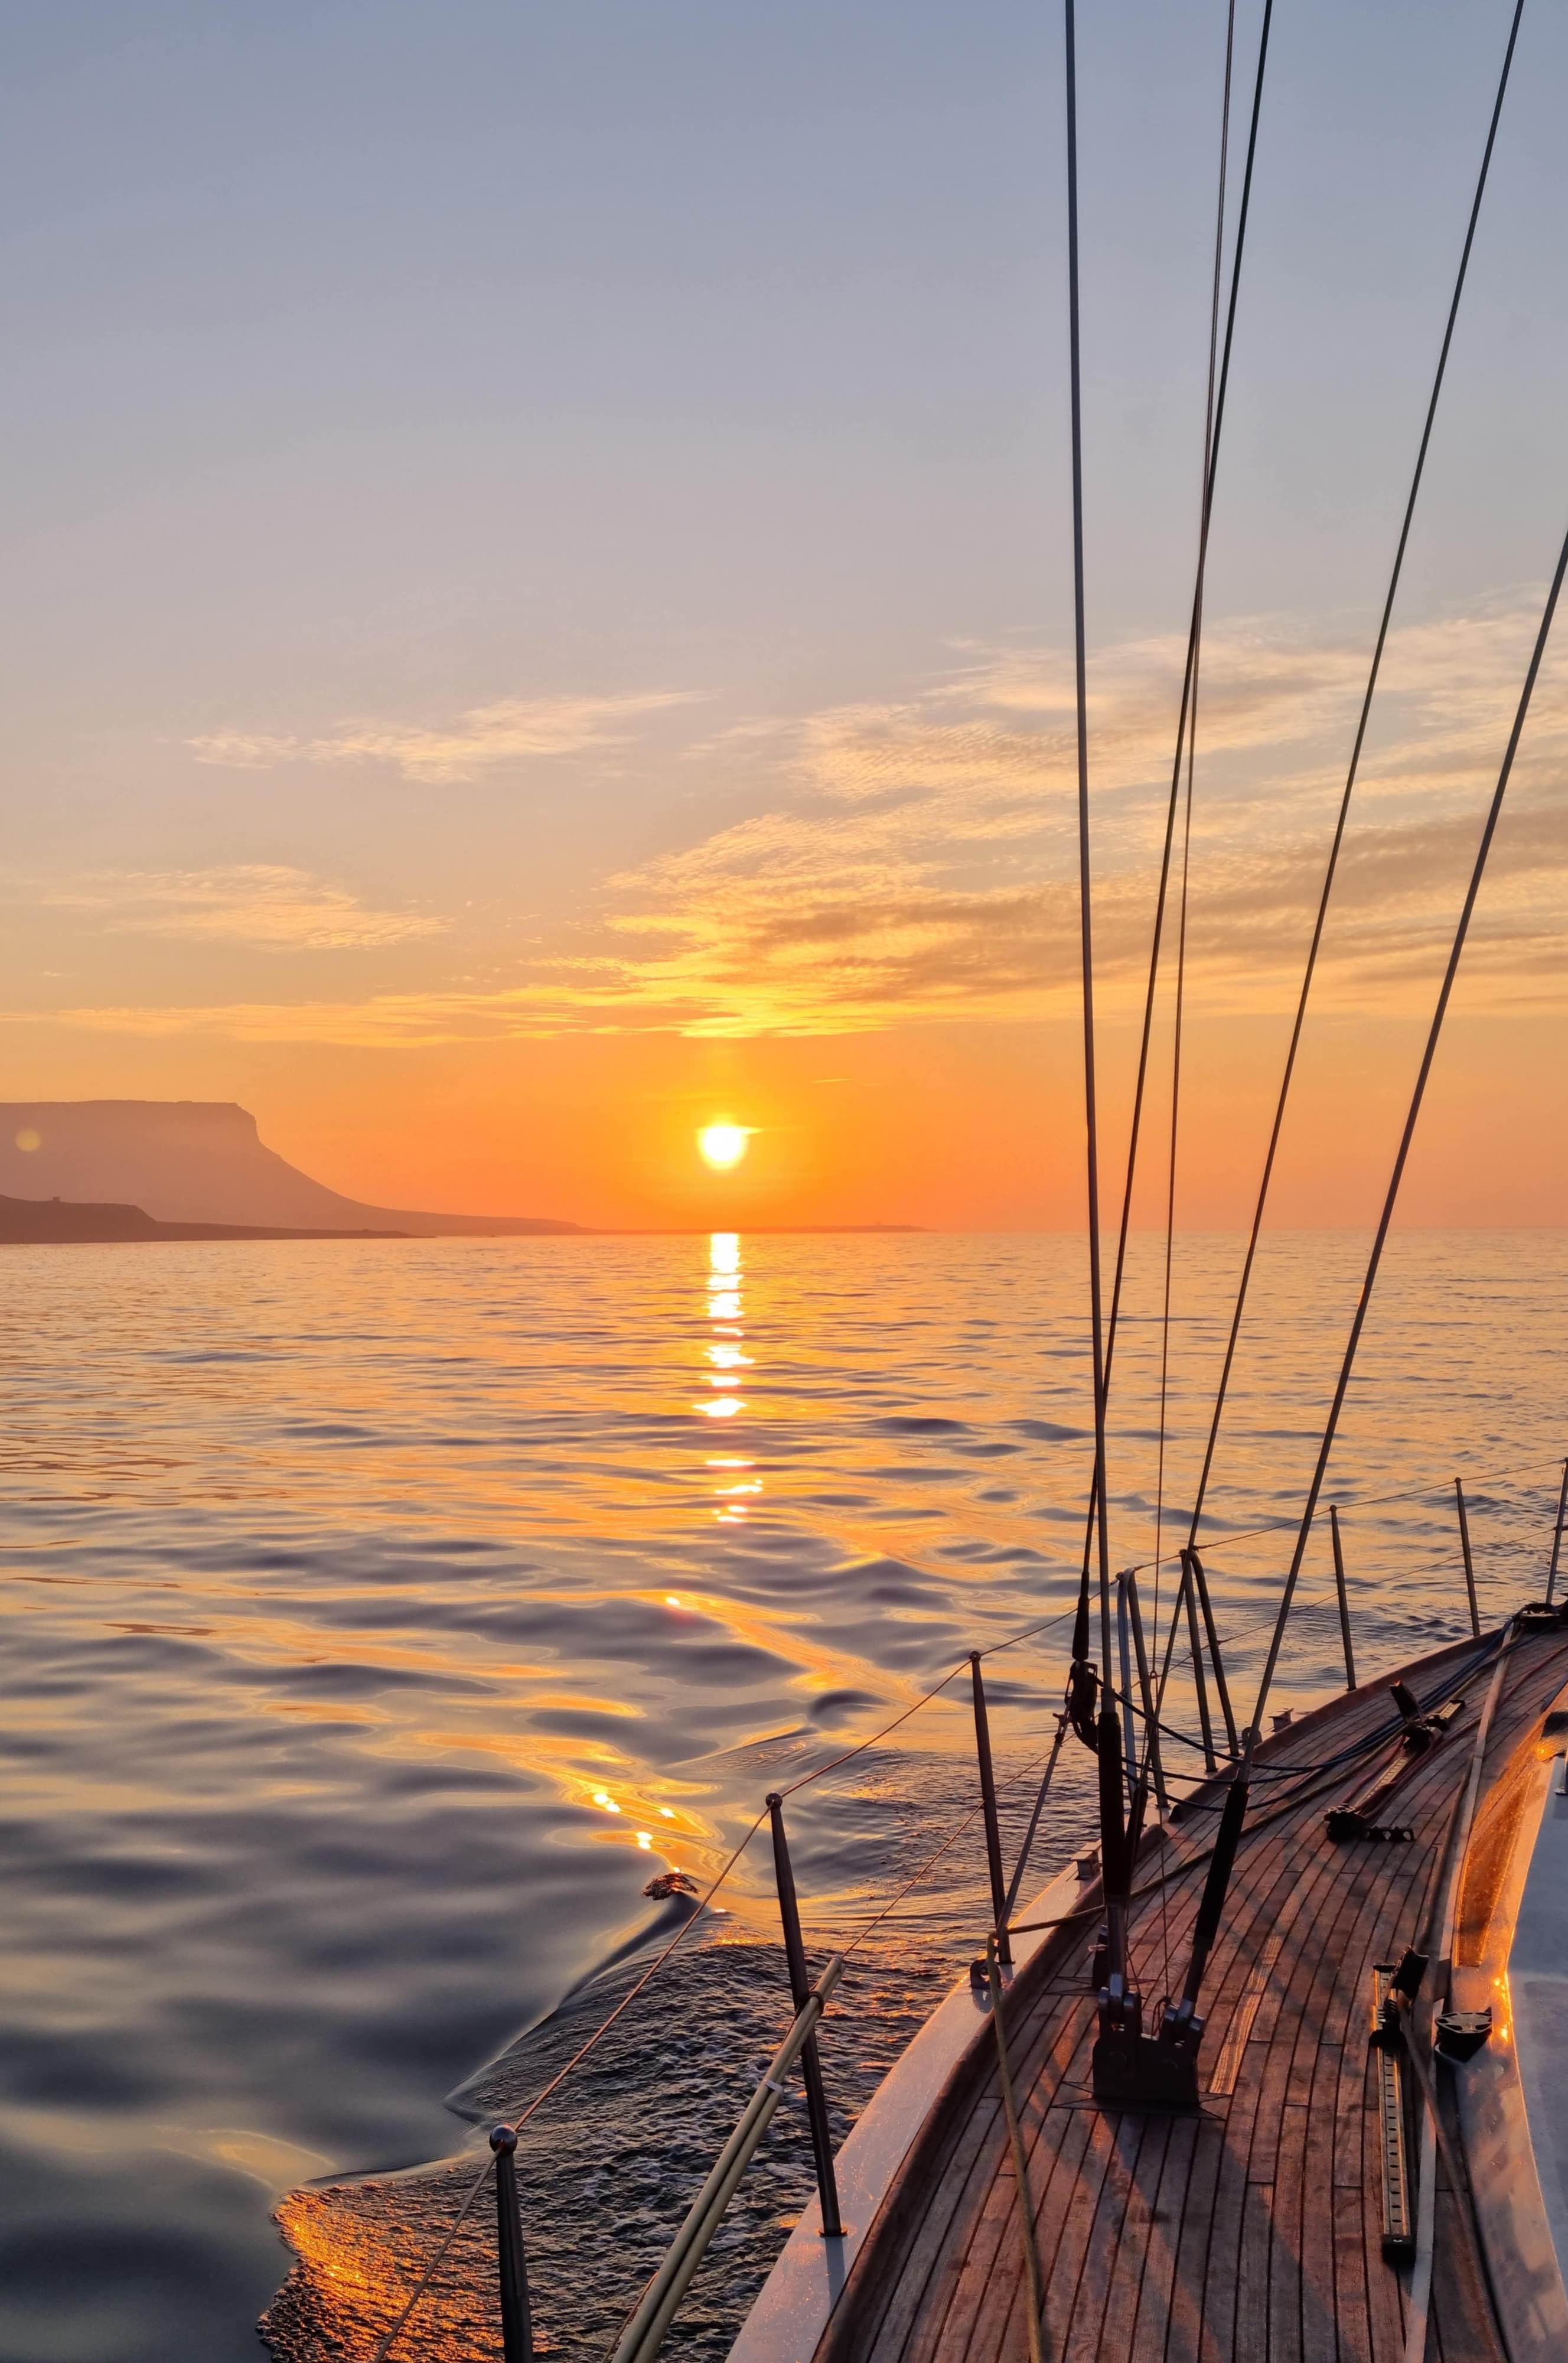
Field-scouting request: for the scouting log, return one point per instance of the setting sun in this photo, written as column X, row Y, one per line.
column 724, row 1145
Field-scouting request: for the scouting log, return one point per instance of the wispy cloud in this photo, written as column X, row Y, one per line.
column 482, row 739
column 263, row 903
column 915, row 861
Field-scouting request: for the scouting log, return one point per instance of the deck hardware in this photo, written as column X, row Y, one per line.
column 989, row 1812
column 1364, row 1817
column 517, row 2324
column 1462, row 2033
column 1283, row 1719
column 1134, row 2070
column 1342, row 1596
column 1086, row 1864
column 1393, row 2149
column 1469, row 1560
column 1407, row 1978
column 800, row 1991
column 1081, row 1702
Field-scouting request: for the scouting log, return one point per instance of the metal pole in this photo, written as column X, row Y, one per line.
column 800, row 1991
column 1210, row 1762
column 643, row 2334
column 1557, row 1536
column 516, row 2327
column 1150, row 1720
column 1124, row 1658
column 1215, row 1659
column 1340, row 1588
column 989, row 1810
column 1469, row 1562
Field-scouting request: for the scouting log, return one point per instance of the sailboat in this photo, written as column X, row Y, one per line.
column 1276, row 2070
column 1342, row 2132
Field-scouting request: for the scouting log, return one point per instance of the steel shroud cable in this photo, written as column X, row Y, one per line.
column 1350, row 776
column 1212, row 432
column 1434, row 1034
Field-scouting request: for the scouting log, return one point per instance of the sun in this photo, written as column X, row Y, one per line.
column 724, row 1145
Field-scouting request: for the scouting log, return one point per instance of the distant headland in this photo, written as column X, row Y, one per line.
column 102, row 1171
column 197, row 1165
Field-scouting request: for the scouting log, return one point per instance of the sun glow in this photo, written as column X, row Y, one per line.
column 723, row 1144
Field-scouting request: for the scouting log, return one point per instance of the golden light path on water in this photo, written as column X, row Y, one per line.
column 380, row 1617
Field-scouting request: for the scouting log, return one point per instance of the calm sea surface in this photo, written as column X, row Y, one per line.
column 379, row 1618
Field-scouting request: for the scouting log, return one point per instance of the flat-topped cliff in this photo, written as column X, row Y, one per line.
column 200, row 1162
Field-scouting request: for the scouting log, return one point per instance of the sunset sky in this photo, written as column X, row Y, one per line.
column 536, row 593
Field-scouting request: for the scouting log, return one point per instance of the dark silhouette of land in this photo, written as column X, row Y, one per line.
column 193, row 1162
column 44, row 1222
column 104, row 1171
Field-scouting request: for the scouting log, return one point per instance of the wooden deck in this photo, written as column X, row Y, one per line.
column 1252, row 2231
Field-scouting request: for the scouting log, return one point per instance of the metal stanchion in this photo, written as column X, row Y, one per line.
column 1469, row 1562
column 989, row 1810
column 1151, row 1723
column 1340, row 1588
column 1221, row 1689
column 1557, row 1536
column 799, row 1990
column 516, row 2327
column 1188, row 1595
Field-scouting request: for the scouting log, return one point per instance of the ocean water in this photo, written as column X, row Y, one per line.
column 379, row 1618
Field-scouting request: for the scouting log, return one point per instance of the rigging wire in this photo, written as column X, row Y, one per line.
column 1434, row 1034
column 1214, row 428
column 1086, row 920
column 1373, row 670
column 1195, row 647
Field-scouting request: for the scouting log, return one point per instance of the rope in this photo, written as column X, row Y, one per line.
column 1350, row 775
column 1434, row 1034
column 1086, row 920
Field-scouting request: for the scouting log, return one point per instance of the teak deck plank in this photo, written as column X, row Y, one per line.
column 1252, row 2232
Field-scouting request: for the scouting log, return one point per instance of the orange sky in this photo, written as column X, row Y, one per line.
column 954, row 1126
column 492, row 721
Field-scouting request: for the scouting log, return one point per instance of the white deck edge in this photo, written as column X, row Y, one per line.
column 792, row 2308
column 1510, row 2093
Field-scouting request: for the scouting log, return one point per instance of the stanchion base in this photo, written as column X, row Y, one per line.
column 1141, row 2072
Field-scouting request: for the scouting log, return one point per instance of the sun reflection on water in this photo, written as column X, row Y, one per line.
column 724, row 1317
column 725, row 1352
